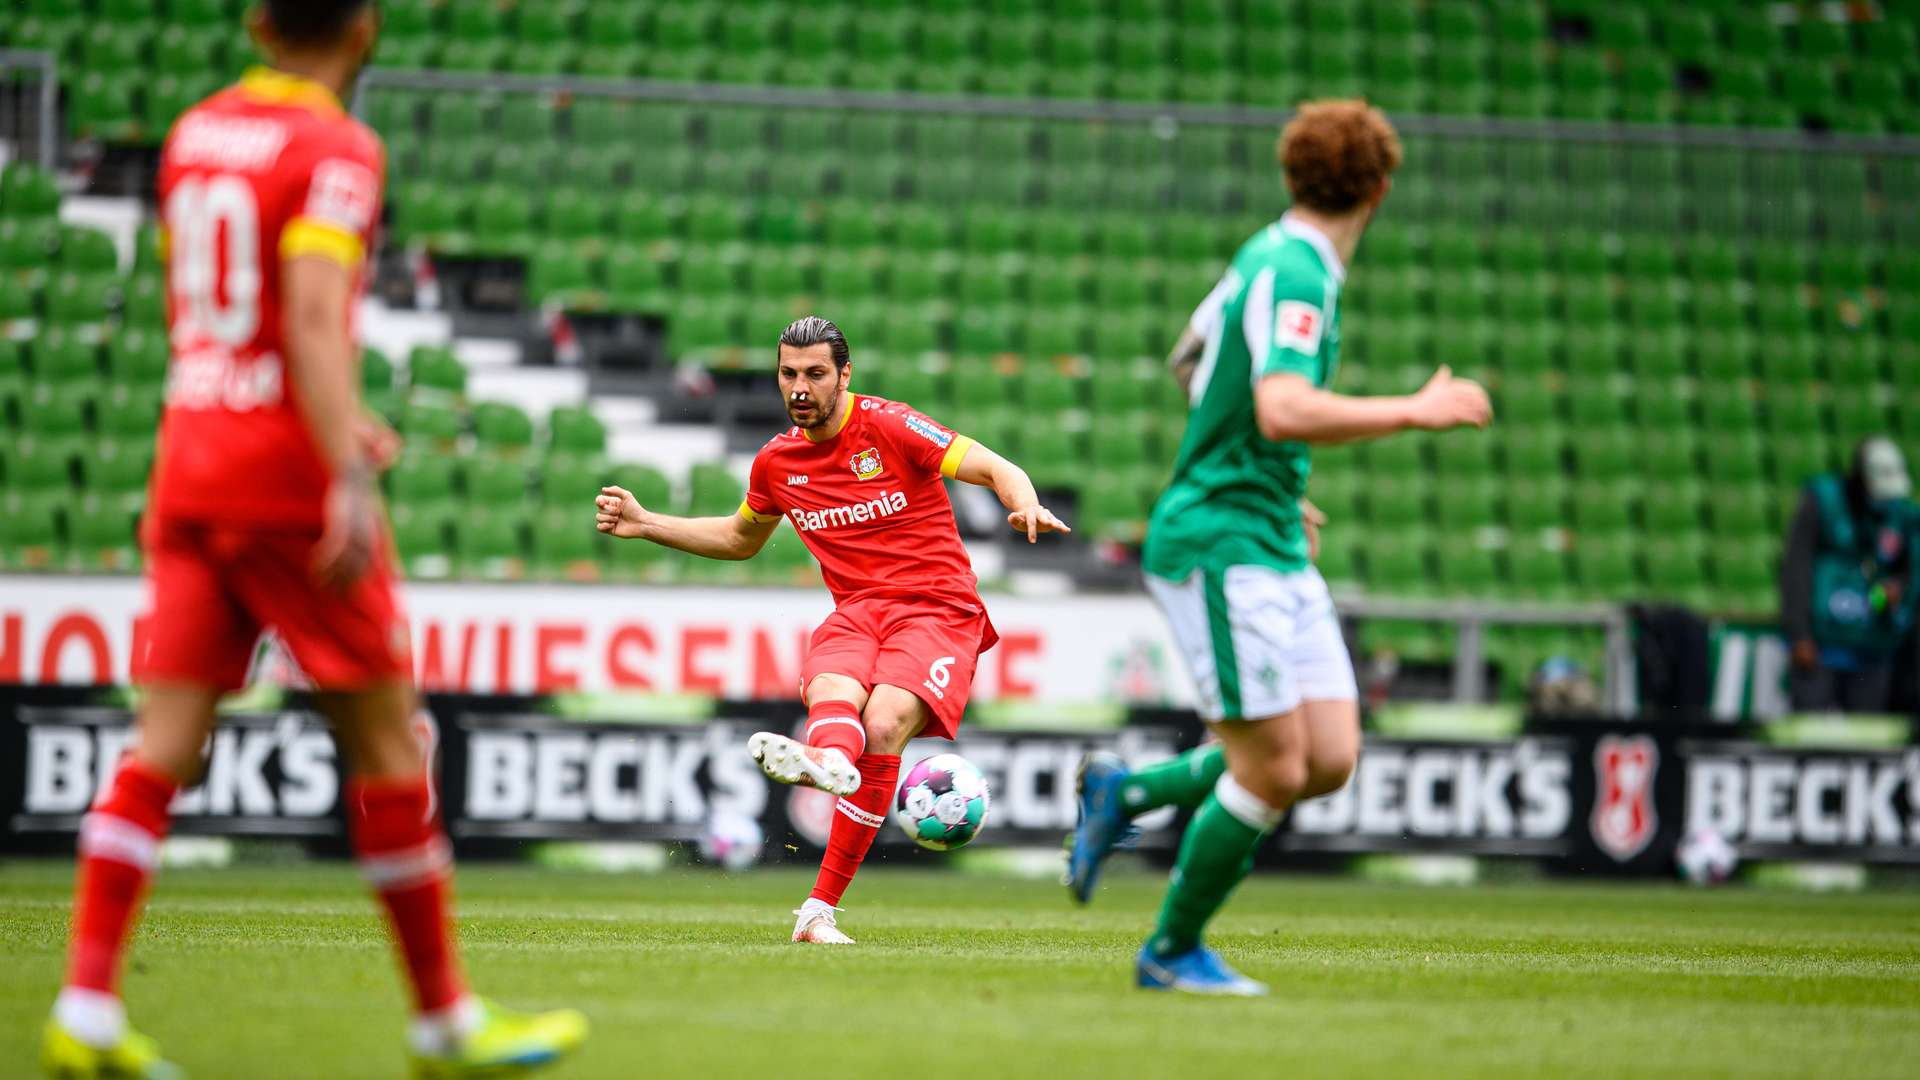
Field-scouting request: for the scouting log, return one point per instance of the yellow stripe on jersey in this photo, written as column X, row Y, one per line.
column 312, row 236
column 950, row 465
column 757, row 518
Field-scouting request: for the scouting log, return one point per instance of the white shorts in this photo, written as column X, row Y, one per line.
column 1257, row 641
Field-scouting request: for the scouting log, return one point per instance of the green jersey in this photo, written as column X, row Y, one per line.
column 1235, row 496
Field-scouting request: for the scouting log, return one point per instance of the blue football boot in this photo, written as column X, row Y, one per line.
column 1104, row 824
column 1197, row 971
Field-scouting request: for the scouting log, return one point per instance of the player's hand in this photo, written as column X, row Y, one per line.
column 1312, row 517
column 1034, row 520
column 352, row 528
column 616, row 511
column 378, row 442
column 1446, row 402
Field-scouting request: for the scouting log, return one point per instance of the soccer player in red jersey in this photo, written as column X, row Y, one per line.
column 264, row 514
column 862, row 480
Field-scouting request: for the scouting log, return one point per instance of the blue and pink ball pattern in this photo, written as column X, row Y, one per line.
column 942, row 804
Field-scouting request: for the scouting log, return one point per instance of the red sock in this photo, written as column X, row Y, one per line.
column 857, row 822
column 837, row 724
column 405, row 858
column 119, row 845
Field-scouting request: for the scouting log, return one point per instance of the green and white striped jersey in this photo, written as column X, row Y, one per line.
column 1235, row 495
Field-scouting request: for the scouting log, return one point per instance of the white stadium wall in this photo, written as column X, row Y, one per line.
column 733, row 643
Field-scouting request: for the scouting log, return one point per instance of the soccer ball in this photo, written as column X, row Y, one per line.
column 1705, row 858
column 732, row 841
column 943, row 802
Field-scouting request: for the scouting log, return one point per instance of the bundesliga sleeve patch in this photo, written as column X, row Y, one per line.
column 926, row 429
column 1296, row 326
column 343, row 193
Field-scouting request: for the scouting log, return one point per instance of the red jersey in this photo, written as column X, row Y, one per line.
column 869, row 503
column 267, row 170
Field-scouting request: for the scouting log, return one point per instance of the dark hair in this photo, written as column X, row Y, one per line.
column 814, row 330
column 312, row 22
column 1336, row 154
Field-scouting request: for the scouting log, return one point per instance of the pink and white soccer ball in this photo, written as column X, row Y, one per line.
column 1704, row 857
column 732, row 841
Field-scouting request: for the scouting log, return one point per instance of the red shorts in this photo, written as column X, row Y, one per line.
column 928, row 647
column 216, row 587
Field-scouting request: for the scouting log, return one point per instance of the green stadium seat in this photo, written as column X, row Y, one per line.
column 422, row 478
column 490, row 546
column 81, row 299
column 60, row 356
column 137, row 356
column 100, row 105
column 650, row 486
column 1398, row 564
column 30, row 532
column 1797, row 460
column 1606, row 569
column 566, row 547
column 431, row 425
column 58, row 411
column 85, row 250
column 421, row 533
column 128, row 411
column 575, row 430
column 1535, row 452
column 27, row 192
column 101, row 537
column 568, row 478
column 118, row 469
column 1672, row 506
column 1734, row 458
column 39, row 465
column 713, row 490
column 493, row 480
column 1535, row 504
column 501, row 427
column 436, row 368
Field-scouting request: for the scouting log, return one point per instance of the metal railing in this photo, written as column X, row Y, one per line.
column 42, row 103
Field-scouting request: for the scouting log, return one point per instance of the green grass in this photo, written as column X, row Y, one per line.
column 283, row 972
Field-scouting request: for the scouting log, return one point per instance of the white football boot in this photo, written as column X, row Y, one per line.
column 815, row 926
column 790, row 761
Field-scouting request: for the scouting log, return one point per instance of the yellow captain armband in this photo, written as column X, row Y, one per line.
column 754, row 516
column 956, row 453
column 311, row 236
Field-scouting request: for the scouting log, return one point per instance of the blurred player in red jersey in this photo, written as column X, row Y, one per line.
column 862, row 480
column 264, row 514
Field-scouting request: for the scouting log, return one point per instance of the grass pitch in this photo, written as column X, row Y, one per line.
column 285, row 973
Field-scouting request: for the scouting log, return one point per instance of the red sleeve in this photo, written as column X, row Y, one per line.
column 335, row 200
column 759, row 506
column 917, row 437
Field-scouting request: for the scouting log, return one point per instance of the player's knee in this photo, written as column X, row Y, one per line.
column 888, row 730
column 1281, row 779
column 1329, row 770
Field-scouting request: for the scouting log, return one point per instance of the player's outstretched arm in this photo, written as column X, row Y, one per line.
column 618, row 513
column 984, row 468
column 1288, row 408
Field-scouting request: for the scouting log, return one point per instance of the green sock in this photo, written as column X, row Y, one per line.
column 1216, row 854
column 1184, row 781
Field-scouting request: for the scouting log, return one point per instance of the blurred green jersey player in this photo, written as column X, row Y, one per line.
column 1230, row 545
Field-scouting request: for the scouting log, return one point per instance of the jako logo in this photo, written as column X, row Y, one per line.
column 792, row 480
column 888, row 503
